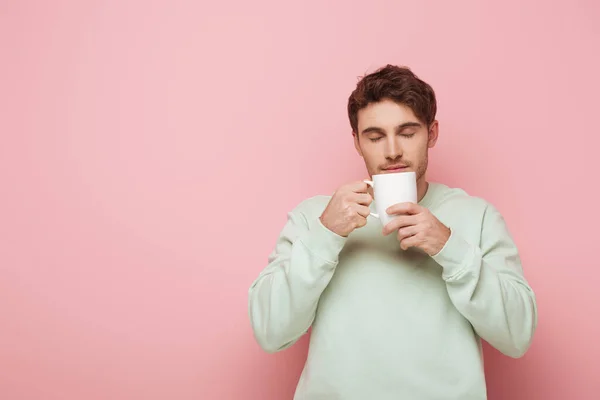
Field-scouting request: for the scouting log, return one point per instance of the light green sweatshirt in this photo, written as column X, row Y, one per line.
column 392, row 324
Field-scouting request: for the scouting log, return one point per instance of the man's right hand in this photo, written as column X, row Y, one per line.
column 348, row 208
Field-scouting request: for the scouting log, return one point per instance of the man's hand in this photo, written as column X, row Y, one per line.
column 417, row 227
column 348, row 208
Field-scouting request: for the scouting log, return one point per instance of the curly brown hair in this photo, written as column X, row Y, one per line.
column 396, row 83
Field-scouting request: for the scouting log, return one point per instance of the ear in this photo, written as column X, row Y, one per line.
column 432, row 135
column 357, row 144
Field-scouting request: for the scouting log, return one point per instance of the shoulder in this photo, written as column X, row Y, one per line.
column 458, row 201
column 445, row 194
column 311, row 207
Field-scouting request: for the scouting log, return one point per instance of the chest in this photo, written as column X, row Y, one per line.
column 373, row 263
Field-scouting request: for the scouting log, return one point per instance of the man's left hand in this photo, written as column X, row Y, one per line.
column 417, row 227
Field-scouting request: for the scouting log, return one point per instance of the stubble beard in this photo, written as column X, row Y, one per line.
column 421, row 170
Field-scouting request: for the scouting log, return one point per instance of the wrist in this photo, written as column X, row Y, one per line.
column 444, row 237
column 331, row 227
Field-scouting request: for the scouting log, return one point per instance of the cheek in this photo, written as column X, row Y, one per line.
column 374, row 156
column 417, row 149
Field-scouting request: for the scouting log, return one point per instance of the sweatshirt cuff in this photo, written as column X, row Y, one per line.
column 323, row 243
column 455, row 257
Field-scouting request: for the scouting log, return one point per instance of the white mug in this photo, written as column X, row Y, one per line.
column 390, row 189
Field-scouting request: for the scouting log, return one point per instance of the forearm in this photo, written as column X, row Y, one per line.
column 491, row 292
column 284, row 298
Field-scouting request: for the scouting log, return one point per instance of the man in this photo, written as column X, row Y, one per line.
column 396, row 311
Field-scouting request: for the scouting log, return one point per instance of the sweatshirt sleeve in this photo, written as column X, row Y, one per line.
column 284, row 297
column 487, row 286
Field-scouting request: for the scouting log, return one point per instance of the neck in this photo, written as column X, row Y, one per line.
column 422, row 186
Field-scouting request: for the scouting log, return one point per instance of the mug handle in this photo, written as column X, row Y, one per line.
column 372, row 184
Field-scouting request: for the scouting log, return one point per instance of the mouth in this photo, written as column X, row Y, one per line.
column 396, row 168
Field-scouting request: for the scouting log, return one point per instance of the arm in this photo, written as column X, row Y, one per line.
column 284, row 297
column 486, row 284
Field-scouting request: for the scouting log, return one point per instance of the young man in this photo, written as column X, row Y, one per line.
column 396, row 311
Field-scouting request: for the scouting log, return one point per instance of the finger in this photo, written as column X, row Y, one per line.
column 411, row 241
column 406, row 232
column 399, row 222
column 362, row 221
column 363, row 210
column 358, row 187
column 404, row 208
column 362, row 198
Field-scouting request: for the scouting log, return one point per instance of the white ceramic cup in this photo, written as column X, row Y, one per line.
column 390, row 189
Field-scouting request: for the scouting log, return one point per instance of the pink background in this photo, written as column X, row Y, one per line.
column 150, row 151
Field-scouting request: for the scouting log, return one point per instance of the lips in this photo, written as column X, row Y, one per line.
column 395, row 167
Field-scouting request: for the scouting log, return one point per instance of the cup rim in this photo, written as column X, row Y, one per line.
column 393, row 174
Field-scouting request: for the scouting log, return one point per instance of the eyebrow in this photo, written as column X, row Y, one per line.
column 400, row 127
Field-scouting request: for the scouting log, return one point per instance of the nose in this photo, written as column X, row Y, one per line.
column 393, row 148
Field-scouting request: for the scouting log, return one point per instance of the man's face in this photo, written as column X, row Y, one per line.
column 390, row 139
